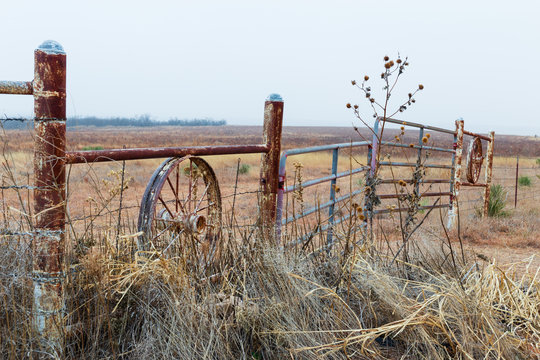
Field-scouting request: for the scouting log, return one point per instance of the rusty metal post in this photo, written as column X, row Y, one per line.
column 273, row 120
column 517, row 182
column 458, row 147
column 489, row 171
column 49, row 88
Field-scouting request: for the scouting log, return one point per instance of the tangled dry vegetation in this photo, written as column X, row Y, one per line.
column 270, row 304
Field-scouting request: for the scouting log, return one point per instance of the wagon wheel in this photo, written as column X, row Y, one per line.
column 180, row 215
column 474, row 160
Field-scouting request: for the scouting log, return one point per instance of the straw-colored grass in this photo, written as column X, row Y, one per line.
column 259, row 301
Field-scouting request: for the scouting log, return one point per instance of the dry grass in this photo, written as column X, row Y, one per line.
column 266, row 303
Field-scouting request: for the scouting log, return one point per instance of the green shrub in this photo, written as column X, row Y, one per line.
column 93, row 147
column 244, row 169
column 497, row 201
column 524, row 181
column 538, row 161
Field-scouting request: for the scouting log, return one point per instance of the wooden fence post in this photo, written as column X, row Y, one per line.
column 456, row 185
column 273, row 120
column 49, row 88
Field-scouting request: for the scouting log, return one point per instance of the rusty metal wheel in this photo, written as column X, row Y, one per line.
column 180, row 215
column 475, row 159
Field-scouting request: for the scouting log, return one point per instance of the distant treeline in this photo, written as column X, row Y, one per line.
column 142, row 121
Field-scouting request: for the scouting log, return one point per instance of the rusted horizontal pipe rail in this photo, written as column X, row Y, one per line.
column 417, row 147
column 473, row 185
column 394, row 196
column 385, row 211
column 426, row 181
column 483, row 137
column 390, row 163
column 16, row 87
column 81, row 157
column 326, row 178
column 408, row 123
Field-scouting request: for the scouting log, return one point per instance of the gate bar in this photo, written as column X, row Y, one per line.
column 326, row 178
column 389, row 143
column 391, row 163
column 423, row 181
column 483, row 137
column 16, row 87
column 408, row 123
column 395, row 196
column 79, row 157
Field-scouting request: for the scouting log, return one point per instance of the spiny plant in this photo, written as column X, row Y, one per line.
column 497, row 201
column 381, row 110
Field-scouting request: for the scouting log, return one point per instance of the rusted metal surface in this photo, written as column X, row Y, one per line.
column 489, row 171
column 483, row 137
column 517, row 182
column 456, row 186
column 427, row 127
column 16, row 87
column 422, row 181
column 435, row 166
column 405, row 209
column 182, row 203
column 430, row 194
column 475, row 159
column 473, row 185
column 269, row 182
column 423, row 147
column 49, row 89
column 81, row 157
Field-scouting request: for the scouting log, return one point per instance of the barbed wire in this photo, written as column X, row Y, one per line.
column 25, row 187
column 18, row 119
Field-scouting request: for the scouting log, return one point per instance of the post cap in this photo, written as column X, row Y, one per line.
column 274, row 97
column 51, row 47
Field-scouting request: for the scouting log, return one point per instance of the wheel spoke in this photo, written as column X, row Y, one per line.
column 176, row 199
column 166, row 207
column 202, row 197
column 206, row 207
column 173, row 240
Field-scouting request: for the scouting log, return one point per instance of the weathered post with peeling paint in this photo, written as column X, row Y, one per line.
column 273, row 120
column 49, row 88
column 489, row 171
column 456, row 185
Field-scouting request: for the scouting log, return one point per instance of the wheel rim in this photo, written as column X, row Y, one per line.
column 475, row 159
column 180, row 215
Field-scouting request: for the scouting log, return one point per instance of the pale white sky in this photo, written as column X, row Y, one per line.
column 220, row 59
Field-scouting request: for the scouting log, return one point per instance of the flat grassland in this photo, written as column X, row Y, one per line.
column 471, row 292
column 510, row 238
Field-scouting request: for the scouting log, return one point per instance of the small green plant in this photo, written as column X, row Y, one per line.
column 524, row 181
column 423, row 202
column 538, row 161
column 93, row 147
column 497, row 201
column 244, row 169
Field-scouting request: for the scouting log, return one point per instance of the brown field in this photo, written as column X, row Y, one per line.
column 267, row 293
column 508, row 239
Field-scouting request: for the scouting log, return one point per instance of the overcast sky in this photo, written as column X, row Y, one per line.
column 220, row 59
